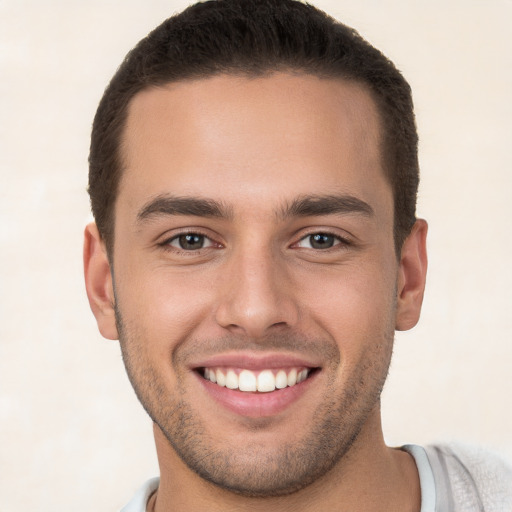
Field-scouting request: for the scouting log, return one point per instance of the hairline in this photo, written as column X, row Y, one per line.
column 241, row 72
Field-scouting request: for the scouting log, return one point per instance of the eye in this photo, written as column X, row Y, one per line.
column 319, row 241
column 190, row 242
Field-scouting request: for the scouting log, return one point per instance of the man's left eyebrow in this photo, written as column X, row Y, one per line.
column 318, row 205
column 178, row 205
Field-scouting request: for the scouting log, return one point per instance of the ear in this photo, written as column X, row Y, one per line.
column 98, row 282
column 412, row 273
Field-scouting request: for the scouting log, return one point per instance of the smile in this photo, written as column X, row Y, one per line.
column 264, row 381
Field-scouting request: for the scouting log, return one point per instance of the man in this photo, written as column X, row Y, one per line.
column 253, row 177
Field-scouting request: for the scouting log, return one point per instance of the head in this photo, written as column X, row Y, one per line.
column 255, row 38
column 250, row 188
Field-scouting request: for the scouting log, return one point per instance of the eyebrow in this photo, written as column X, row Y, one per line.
column 175, row 205
column 304, row 206
column 318, row 205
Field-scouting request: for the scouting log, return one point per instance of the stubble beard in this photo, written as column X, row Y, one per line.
column 255, row 470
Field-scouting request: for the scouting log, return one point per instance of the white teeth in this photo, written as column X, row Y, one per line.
column 281, row 379
column 292, row 377
column 210, row 375
column 302, row 376
column 231, row 380
column 266, row 381
column 221, row 378
column 246, row 381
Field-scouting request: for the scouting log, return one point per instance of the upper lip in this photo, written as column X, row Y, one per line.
column 255, row 361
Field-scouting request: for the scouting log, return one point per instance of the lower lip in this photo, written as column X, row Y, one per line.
column 256, row 405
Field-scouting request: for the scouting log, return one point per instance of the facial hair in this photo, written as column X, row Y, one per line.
column 256, row 470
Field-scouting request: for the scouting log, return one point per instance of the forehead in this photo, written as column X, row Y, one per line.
column 281, row 135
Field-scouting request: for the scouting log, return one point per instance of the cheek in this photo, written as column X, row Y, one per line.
column 355, row 305
column 163, row 307
column 357, row 313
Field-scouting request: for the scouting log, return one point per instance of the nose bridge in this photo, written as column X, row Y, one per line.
column 257, row 295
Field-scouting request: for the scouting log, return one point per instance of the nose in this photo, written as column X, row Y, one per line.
column 258, row 295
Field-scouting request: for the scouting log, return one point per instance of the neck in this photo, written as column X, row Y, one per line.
column 370, row 477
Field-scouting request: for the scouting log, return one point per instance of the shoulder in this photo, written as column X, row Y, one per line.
column 140, row 499
column 474, row 472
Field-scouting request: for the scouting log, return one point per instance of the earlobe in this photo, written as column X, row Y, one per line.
column 412, row 273
column 98, row 282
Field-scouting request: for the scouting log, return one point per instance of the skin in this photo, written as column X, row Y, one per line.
column 258, row 287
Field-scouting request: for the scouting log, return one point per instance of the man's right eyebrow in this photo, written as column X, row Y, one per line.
column 182, row 205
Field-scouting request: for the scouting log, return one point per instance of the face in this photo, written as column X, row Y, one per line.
column 255, row 274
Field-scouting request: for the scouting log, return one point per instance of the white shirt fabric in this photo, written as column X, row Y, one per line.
column 140, row 500
column 458, row 478
column 453, row 478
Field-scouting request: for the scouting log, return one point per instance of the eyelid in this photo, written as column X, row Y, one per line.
column 207, row 242
column 340, row 239
column 167, row 239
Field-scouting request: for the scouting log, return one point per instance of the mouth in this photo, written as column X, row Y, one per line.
column 260, row 381
column 256, row 385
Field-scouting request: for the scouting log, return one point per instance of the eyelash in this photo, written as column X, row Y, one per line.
column 166, row 244
column 338, row 241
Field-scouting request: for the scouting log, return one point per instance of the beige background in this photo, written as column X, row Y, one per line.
column 73, row 436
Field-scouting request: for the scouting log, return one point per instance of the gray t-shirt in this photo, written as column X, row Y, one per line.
column 453, row 478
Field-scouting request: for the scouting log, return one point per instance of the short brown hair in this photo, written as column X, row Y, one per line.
column 254, row 38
